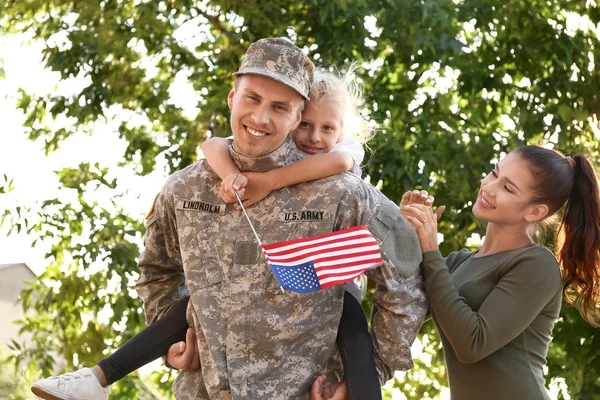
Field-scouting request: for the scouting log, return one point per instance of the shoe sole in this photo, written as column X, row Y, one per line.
column 39, row 392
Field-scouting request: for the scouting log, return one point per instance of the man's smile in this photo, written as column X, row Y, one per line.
column 254, row 132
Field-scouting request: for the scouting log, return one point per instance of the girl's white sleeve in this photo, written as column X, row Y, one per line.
column 355, row 150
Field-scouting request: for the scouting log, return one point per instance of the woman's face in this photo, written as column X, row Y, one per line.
column 506, row 192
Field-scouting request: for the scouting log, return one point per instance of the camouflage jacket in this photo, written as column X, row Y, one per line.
column 255, row 341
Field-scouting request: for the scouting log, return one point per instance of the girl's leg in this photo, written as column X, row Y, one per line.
column 356, row 349
column 148, row 345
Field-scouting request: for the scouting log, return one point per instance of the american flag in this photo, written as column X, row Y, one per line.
column 318, row 262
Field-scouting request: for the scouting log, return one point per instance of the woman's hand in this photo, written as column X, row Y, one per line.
column 416, row 207
column 416, row 197
column 337, row 391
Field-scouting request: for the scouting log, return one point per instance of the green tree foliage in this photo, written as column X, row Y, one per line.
column 13, row 385
column 451, row 84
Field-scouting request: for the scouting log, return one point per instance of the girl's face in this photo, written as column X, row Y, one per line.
column 505, row 193
column 320, row 128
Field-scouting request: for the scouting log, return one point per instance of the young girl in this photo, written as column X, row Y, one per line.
column 495, row 308
column 331, row 131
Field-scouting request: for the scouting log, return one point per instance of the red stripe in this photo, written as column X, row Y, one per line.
column 279, row 244
column 376, row 256
column 334, row 283
column 358, row 272
column 350, row 264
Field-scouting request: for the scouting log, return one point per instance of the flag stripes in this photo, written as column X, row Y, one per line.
column 336, row 257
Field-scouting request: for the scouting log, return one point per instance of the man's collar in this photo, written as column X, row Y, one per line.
column 284, row 155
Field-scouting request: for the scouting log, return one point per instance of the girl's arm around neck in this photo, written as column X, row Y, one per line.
column 308, row 169
column 311, row 168
column 216, row 151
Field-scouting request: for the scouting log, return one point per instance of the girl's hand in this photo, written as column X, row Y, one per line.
column 257, row 188
column 337, row 391
column 416, row 208
column 231, row 184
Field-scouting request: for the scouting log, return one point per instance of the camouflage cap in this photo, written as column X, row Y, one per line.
column 279, row 59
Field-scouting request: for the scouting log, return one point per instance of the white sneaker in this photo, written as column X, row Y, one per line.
column 78, row 385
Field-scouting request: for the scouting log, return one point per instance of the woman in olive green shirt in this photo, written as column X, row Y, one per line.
column 495, row 308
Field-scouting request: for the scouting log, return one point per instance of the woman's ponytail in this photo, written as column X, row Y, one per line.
column 578, row 242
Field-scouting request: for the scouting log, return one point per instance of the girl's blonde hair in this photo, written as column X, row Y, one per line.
column 343, row 88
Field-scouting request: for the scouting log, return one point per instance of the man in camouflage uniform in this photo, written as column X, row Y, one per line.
column 254, row 340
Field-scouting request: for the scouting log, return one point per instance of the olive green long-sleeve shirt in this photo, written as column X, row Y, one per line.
column 495, row 316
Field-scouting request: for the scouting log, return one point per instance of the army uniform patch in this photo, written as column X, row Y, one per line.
column 303, row 216
column 201, row 206
column 150, row 216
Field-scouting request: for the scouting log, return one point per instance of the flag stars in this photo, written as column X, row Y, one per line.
column 301, row 278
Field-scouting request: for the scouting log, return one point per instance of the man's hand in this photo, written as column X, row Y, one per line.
column 231, row 184
column 337, row 391
column 184, row 355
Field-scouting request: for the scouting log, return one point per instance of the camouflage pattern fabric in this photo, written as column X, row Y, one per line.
column 255, row 341
column 281, row 60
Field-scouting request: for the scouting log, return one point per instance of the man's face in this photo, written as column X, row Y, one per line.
column 263, row 113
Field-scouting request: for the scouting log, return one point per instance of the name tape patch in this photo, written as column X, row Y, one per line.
column 201, row 206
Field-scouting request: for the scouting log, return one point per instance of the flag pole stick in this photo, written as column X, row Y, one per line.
column 252, row 226
column 247, row 217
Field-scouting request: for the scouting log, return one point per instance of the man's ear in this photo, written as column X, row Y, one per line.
column 536, row 212
column 298, row 118
column 230, row 98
